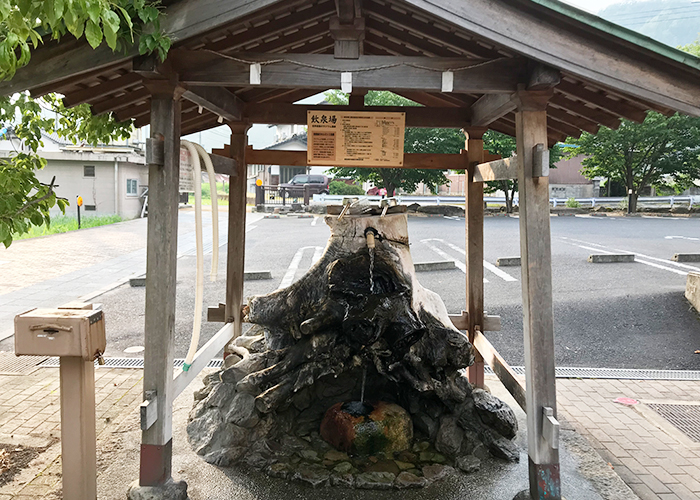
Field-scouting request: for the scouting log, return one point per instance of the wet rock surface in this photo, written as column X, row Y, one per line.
column 307, row 357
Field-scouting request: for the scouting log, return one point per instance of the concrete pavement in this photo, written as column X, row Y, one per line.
column 79, row 265
column 653, row 457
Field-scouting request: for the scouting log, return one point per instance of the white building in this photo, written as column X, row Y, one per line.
column 287, row 138
column 110, row 178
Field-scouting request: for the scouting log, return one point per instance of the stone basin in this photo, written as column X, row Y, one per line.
column 367, row 428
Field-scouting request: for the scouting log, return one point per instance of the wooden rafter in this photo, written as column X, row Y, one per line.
column 445, row 38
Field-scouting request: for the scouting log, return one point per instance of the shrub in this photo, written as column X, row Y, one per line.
column 572, row 203
column 342, row 189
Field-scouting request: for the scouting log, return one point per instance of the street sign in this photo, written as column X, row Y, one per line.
column 355, row 138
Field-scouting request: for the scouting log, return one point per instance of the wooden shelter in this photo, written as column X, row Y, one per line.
column 535, row 69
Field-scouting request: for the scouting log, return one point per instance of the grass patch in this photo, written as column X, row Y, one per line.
column 64, row 223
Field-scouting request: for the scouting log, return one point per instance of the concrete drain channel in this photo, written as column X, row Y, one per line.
column 135, row 363
column 561, row 372
column 684, row 417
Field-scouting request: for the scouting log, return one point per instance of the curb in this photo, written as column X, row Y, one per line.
column 610, row 258
column 508, row 262
column 686, row 257
column 434, row 266
column 257, row 275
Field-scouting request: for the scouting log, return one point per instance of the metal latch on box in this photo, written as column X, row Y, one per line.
column 550, row 427
column 149, row 410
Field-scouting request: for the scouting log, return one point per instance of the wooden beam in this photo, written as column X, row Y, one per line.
column 101, row 90
column 498, row 170
column 407, row 37
column 446, row 38
column 161, row 268
column 502, row 369
column 236, row 228
column 474, row 259
column 578, row 50
column 348, row 35
column 411, row 160
column 217, row 100
column 538, row 320
column 299, row 18
column 416, row 116
column 301, row 71
column 224, row 165
column 121, row 102
column 622, row 109
column 181, row 20
column 490, row 108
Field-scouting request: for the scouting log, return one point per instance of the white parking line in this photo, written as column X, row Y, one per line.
column 293, row 267
column 460, row 265
column 313, row 222
column 600, row 248
column 250, row 228
column 317, row 255
column 498, row 272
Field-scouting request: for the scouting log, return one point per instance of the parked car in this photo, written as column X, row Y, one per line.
column 318, row 184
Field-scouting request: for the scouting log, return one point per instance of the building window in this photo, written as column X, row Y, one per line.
column 90, row 208
column 132, row 187
column 89, row 171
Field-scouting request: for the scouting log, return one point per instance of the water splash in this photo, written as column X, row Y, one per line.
column 371, row 270
column 364, row 379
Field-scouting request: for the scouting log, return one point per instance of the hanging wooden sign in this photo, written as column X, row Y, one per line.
column 186, row 171
column 355, row 138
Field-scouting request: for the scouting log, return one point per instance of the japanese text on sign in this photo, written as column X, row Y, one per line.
column 347, row 138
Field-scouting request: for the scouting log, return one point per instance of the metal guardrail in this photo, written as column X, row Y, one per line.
column 688, row 201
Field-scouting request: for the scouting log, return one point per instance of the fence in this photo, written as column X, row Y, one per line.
column 688, row 201
column 276, row 196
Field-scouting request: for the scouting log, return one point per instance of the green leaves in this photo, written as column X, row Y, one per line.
column 93, row 33
column 117, row 22
column 661, row 151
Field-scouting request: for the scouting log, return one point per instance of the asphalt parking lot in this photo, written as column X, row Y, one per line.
column 631, row 315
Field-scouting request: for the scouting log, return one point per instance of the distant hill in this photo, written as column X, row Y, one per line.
column 673, row 22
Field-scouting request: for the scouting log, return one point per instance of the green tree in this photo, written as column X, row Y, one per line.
column 24, row 26
column 416, row 140
column 505, row 146
column 692, row 48
column 660, row 151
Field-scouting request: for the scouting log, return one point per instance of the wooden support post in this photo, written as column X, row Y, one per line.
column 536, row 255
column 235, row 262
column 161, row 267
column 78, row 428
column 474, row 219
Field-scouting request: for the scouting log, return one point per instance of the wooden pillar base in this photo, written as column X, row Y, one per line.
column 156, row 464
column 545, row 483
column 475, row 373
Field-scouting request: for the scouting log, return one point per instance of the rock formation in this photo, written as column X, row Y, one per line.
column 358, row 315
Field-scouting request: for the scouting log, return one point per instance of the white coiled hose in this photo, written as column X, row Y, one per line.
column 196, row 151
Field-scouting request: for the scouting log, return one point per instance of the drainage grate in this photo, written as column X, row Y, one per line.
column 18, row 365
column 562, row 372
column 686, row 418
column 136, row 363
column 616, row 373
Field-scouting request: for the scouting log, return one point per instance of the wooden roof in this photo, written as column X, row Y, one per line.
column 607, row 73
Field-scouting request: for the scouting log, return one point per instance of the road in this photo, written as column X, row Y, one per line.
column 606, row 315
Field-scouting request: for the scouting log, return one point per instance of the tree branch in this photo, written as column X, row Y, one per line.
column 38, row 200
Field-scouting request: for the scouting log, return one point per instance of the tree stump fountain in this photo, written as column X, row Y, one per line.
column 352, row 376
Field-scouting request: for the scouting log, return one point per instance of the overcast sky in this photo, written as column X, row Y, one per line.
column 592, row 5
